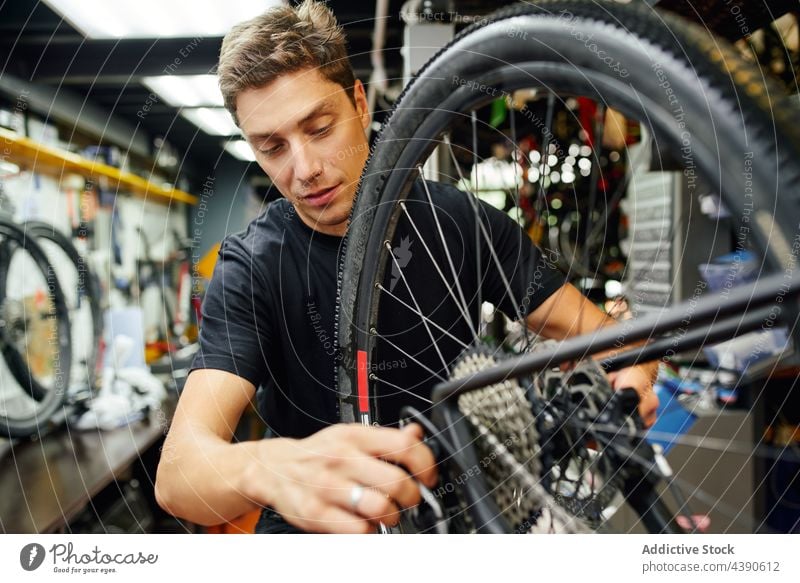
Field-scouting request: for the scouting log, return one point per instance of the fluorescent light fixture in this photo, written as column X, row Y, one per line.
column 104, row 19
column 215, row 121
column 240, row 149
column 186, row 90
column 8, row 168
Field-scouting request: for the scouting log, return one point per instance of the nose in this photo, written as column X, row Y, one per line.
column 307, row 163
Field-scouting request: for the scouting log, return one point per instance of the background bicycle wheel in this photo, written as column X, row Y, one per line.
column 35, row 337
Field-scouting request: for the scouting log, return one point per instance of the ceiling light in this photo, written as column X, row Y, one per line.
column 8, row 168
column 186, row 90
column 99, row 19
column 240, row 149
column 215, row 121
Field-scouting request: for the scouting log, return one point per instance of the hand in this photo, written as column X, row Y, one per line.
column 640, row 378
column 310, row 481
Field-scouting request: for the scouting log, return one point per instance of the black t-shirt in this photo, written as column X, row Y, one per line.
column 269, row 310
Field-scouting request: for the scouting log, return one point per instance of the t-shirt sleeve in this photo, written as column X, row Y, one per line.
column 531, row 276
column 235, row 331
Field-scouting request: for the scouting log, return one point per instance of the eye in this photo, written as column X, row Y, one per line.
column 322, row 131
column 271, row 151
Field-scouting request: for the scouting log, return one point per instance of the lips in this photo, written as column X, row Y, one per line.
column 321, row 197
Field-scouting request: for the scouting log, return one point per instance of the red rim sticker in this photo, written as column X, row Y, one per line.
column 363, row 388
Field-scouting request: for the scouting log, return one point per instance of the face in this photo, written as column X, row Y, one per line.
column 309, row 138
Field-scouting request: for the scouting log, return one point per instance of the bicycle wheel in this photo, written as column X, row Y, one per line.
column 708, row 114
column 82, row 292
column 34, row 338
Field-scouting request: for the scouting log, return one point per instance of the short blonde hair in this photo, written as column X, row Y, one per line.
column 283, row 40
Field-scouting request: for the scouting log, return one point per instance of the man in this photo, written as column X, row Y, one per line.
column 269, row 310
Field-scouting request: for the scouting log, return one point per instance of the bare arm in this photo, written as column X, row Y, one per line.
column 206, row 479
column 199, row 473
column 568, row 313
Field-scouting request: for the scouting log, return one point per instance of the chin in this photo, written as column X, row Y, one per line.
column 331, row 220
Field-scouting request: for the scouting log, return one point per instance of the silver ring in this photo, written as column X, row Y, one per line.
column 356, row 494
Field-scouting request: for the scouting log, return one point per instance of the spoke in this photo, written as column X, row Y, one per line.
column 375, row 377
column 541, row 195
column 503, row 276
column 456, row 279
column 461, row 178
column 416, row 360
column 618, row 194
column 478, row 226
column 599, row 130
column 515, row 156
column 492, row 252
column 514, row 153
column 475, row 207
column 461, row 307
column 421, row 315
column 416, row 305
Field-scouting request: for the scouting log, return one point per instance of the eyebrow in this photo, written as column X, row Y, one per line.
column 325, row 107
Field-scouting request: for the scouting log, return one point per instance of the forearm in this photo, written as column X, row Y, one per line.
column 204, row 479
column 569, row 313
column 308, row 481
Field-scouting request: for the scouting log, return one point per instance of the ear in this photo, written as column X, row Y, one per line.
column 360, row 99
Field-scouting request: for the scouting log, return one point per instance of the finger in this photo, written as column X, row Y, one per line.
column 648, row 409
column 387, row 478
column 648, row 418
column 429, row 476
column 333, row 519
column 418, row 460
column 403, row 447
column 414, row 429
column 373, row 504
